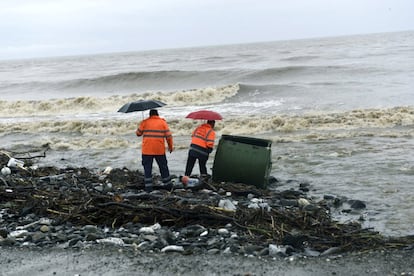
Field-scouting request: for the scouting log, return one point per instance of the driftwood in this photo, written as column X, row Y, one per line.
column 71, row 195
column 78, row 196
column 27, row 155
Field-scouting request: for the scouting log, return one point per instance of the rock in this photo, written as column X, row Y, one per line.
column 84, row 217
column 99, row 187
column 357, row 204
column 7, row 241
column 213, row 251
column 44, row 228
column 74, row 239
column 304, row 187
column 173, row 248
column 3, row 233
column 311, row 208
column 223, row 232
column 330, row 251
column 90, row 228
column 212, row 241
column 111, row 240
column 252, row 249
column 151, row 238
column 18, row 233
column 272, row 180
column 59, row 237
column 288, row 202
column 295, row 241
column 291, row 194
column 310, row 252
column 92, row 237
column 37, row 236
column 144, row 245
column 45, row 221
column 328, row 197
column 193, row 230
column 263, row 252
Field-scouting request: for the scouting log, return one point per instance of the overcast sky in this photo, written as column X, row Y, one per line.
column 36, row 28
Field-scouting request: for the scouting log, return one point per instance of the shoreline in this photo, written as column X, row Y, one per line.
column 76, row 221
column 118, row 261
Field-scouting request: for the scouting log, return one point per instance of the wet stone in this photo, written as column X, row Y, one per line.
column 59, row 237
column 289, row 202
column 7, row 242
column 90, row 228
column 213, row 251
column 38, row 236
column 76, row 207
column 44, row 228
column 93, row 237
column 150, row 238
column 357, row 204
column 252, row 249
column 3, row 233
column 223, row 232
column 74, row 240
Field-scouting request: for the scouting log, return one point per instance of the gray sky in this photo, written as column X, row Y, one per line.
column 36, row 28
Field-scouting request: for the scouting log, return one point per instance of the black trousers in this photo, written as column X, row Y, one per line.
column 193, row 156
column 161, row 160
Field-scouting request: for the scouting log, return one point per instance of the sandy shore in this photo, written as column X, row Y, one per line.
column 119, row 261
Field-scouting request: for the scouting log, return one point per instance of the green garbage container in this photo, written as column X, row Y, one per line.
column 243, row 159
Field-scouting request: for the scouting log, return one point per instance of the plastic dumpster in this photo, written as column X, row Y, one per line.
column 243, row 159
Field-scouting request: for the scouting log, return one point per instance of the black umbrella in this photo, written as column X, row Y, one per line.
column 140, row 105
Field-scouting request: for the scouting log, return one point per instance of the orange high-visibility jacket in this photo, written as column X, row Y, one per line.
column 153, row 131
column 204, row 136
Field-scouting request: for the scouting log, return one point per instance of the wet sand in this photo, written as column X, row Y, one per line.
column 121, row 261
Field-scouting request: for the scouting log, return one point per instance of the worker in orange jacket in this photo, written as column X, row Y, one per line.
column 155, row 132
column 202, row 143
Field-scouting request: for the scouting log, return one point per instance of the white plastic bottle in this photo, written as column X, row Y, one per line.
column 189, row 182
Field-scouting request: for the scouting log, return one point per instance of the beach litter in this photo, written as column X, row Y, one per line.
column 52, row 206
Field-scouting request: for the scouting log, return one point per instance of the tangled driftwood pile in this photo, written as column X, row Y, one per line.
column 114, row 198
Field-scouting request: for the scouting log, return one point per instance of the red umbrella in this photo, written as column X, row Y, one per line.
column 204, row 115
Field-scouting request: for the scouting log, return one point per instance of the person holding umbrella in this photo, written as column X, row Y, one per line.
column 155, row 131
column 202, row 143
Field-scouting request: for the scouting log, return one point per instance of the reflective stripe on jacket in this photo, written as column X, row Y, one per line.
column 204, row 136
column 153, row 131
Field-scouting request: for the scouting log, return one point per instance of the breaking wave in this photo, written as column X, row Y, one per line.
column 90, row 104
column 163, row 80
column 119, row 131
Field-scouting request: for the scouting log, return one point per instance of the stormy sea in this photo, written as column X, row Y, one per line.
column 339, row 112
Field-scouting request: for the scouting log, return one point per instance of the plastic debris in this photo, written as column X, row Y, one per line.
column 302, row 202
column 226, row 204
column 15, row 163
column 277, row 250
column 5, row 171
column 150, row 229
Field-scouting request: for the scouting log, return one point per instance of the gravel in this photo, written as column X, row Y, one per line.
column 118, row 261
